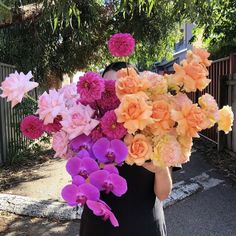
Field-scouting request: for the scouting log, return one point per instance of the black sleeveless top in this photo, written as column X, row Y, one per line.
column 137, row 211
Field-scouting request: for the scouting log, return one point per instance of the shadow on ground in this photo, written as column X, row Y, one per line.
column 12, row 225
column 25, row 171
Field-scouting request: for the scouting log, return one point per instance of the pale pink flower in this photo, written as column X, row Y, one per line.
column 70, row 94
column 60, row 144
column 16, row 85
column 50, row 105
column 78, row 121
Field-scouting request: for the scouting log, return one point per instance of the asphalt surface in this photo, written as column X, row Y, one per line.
column 210, row 212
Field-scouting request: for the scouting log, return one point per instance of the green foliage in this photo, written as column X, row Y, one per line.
column 72, row 35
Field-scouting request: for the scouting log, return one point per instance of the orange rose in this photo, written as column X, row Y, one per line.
column 199, row 55
column 129, row 82
column 157, row 83
column 191, row 76
column 209, row 105
column 161, row 116
column 191, row 119
column 139, row 148
column 134, row 112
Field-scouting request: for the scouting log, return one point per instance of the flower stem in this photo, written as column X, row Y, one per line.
column 126, row 61
column 32, row 99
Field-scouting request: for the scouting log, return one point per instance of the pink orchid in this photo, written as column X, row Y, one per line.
column 60, row 144
column 78, row 121
column 16, row 85
column 100, row 208
column 50, row 105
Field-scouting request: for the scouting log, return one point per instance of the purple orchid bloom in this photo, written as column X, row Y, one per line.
column 83, row 153
column 107, row 151
column 78, row 180
column 111, row 169
column 101, row 209
column 104, row 180
column 82, row 167
column 82, row 142
column 78, row 195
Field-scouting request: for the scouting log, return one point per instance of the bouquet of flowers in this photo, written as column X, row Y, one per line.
column 98, row 124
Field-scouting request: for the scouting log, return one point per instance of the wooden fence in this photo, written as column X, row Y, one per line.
column 11, row 139
column 220, row 72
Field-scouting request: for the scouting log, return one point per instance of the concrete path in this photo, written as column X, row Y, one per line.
column 207, row 207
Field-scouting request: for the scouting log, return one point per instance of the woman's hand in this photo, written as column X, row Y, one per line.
column 163, row 180
column 154, row 169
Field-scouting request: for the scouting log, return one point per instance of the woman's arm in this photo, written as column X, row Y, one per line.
column 163, row 180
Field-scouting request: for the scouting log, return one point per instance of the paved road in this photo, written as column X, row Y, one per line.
column 210, row 212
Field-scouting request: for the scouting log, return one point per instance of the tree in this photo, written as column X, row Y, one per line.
column 72, row 35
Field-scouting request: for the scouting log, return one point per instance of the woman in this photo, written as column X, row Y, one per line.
column 138, row 211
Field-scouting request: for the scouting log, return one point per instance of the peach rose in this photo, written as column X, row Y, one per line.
column 226, row 118
column 191, row 76
column 199, row 55
column 209, row 105
column 161, row 116
column 186, row 144
column 134, row 112
column 171, row 82
column 129, row 82
column 139, row 148
column 191, row 119
column 181, row 99
column 157, row 83
column 167, row 152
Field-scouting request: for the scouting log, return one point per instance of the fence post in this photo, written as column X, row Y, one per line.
column 231, row 83
column 223, row 99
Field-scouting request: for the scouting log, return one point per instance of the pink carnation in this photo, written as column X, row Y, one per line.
column 109, row 100
column 111, row 128
column 32, row 127
column 90, row 87
column 121, row 45
column 16, row 85
column 50, row 105
column 60, row 144
column 78, row 121
column 53, row 127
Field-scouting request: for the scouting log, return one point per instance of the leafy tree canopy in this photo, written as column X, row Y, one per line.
column 72, row 35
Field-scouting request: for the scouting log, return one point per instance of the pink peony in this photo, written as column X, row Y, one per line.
column 16, row 85
column 109, row 100
column 121, row 45
column 32, row 127
column 60, row 144
column 50, row 105
column 53, row 127
column 90, row 87
column 78, row 121
column 111, row 128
